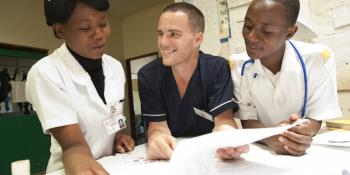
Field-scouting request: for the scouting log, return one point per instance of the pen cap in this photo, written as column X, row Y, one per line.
column 20, row 167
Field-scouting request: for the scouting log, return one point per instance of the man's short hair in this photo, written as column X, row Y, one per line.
column 194, row 15
column 292, row 8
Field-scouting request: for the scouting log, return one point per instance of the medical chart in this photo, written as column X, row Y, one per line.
column 197, row 155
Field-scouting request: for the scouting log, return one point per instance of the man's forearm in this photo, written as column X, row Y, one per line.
column 224, row 121
column 252, row 124
column 161, row 127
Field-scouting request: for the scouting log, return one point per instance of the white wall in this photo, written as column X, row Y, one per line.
column 23, row 23
column 140, row 31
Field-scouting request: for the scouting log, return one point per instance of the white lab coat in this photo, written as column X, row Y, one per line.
column 272, row 98
column 62, row 93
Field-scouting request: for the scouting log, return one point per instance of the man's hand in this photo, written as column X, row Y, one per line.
column 225, row 121
column 232, row 152
column 274, row 143
column 160, row 142
column 123, row 143
column 160, row 146
column 296, row 140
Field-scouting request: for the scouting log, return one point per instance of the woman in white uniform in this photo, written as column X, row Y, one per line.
column 278, row 81
column 78, row 91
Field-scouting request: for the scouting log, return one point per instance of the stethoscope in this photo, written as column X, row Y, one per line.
column 252, row 61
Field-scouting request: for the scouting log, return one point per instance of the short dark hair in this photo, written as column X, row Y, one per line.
column 195, row 16
column 292, row 8
column 59, row 11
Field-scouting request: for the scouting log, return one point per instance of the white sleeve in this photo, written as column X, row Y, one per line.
column 247, row 110
column 323, row 99
column 49, row 99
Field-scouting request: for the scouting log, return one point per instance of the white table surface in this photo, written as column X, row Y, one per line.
column 319, row 160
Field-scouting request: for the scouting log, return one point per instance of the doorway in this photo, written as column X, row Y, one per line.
column 133, row 65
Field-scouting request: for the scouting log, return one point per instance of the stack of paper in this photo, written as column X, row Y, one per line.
column 197, row 155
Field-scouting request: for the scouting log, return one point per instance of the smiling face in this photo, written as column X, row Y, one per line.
column 86, row 32
column 266, row 28
column 177, row 41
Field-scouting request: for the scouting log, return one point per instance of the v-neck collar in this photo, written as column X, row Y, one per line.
column 189, row 85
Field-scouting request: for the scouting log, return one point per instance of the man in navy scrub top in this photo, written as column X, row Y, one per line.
column 187, row 92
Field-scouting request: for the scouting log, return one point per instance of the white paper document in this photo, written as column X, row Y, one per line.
column 134, row 163
column 191, row 155
column 197, row 155
column 333, row 138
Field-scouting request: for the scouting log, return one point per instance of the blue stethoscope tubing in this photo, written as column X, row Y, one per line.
column 303, row 109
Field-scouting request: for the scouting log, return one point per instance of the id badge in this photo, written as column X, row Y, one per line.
column 114, row 124
column 203, row 114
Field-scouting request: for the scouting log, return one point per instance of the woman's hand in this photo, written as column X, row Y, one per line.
column 123, row 143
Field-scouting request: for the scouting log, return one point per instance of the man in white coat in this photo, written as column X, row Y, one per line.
column 279, row 81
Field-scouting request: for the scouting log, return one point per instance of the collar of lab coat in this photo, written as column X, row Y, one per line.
column 258, row 67
column 76, row 71
column 290, row 60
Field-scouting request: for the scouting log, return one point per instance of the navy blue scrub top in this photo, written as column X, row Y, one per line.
column 210, row 89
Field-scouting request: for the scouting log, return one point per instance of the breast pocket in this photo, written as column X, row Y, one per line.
column 247, row 111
